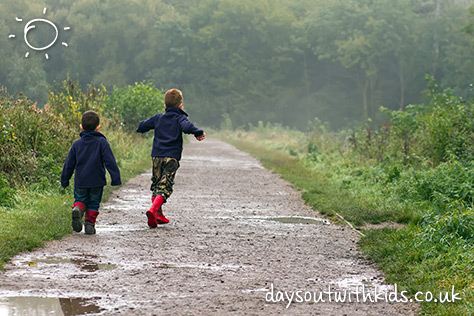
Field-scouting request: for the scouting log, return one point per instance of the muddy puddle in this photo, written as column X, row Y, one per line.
column 355, row 282
column 222, row 161
column 32, row 305
column 113, row 228
column 284, row 219
column 87, row 264
column 209, row 266
column 299, row 220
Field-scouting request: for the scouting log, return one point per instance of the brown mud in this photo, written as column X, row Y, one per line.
column 236, row 232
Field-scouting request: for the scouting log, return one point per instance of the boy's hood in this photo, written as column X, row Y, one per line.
column 175, row 110
column 91, row 134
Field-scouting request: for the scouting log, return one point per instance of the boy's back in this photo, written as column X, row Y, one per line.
column 167, row 149
column 89, row 156
column 169, row 128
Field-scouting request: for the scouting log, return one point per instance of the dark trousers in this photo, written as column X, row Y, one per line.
column 90, row 197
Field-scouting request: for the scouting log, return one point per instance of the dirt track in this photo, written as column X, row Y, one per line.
column 220, row 254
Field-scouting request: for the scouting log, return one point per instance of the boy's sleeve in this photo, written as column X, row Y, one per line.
column 69, row 167
column 189, row 127
column 146, row 125
column 110, row 163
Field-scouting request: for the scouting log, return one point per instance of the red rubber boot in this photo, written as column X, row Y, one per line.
column 77, row 213
column 160, row 218
column 152, row 213
column 89, row 225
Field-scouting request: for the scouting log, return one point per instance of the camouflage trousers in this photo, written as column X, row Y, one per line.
column 162, row 180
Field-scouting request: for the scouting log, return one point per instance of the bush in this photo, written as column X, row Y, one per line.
column 33, row 142
column 70, row 102
column 440, row 131
column 133, row 104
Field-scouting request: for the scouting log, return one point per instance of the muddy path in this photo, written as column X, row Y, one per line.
column 227, row 245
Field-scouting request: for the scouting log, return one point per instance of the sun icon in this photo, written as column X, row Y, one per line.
column 30, row 25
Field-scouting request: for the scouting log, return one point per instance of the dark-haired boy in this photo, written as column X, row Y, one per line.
column 167, row 149
column 89, row 157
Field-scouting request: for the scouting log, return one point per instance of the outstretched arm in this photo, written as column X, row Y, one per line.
column 189, row 128
column 146, row 125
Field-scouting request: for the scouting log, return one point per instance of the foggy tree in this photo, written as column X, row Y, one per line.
column 282, row 61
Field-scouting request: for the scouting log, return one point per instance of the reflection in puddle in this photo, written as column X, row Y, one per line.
column 119, row 228
column 292, row 220
column 87, row 263
column 31, row 305
column 364, row 283
column 299, row 220
column 169, row 265
column 256, row 290
column 90, row 266
column 279, row 219
column 223, row 161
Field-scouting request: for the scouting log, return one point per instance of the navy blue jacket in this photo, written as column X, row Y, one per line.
column 89, row 156
column 169, row 128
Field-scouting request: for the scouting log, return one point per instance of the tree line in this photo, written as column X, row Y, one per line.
column 282, row 61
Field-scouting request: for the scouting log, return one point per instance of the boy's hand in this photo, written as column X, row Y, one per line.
column 199, row 138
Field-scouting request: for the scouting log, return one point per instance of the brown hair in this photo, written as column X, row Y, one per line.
column 173, row 98
column 90, row 120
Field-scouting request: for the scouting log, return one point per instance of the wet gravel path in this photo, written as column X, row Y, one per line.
column 221, row 254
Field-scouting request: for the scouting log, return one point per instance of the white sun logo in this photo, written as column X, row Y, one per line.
column 29, row 26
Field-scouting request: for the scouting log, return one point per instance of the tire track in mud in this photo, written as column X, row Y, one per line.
column 232, row 237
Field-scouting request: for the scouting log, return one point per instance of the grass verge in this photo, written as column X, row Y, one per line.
column 317, row 190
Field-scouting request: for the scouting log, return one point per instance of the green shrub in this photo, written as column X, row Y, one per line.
column 33, row 142
column 448, row 127
column 70, row 102
column 432, row 133
column 130, row 105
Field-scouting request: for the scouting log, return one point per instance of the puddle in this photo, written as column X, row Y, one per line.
column 119, row 228
column 292, row 220
column 90, row 266
column 369, row 284
column 256, row 290
column 224, row 161
column 299, row 220
column 169, row 265
column 174, row 266
column 85, row 264
column 279, row 219
column 32, row 305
